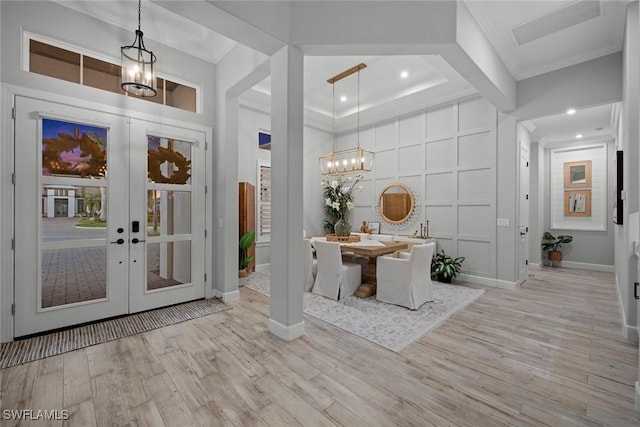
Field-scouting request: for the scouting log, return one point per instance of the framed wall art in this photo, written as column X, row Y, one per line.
column 577, row 203
column 577, row 174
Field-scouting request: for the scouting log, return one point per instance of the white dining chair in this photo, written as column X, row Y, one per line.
column 406, row 281
column 310, row 265
column 335, row 279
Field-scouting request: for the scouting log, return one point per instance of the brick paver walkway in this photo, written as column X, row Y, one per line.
column 76, row 275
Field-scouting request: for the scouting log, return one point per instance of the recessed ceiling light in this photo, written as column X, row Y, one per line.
column 404, row 74
column 579, row 136
column 571, row 111
column 343, row 98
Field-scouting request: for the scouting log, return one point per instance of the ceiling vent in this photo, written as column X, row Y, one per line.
column 559, row 19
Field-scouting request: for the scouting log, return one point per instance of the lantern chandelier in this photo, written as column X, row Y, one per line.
column 138, row 66
column 351, row 160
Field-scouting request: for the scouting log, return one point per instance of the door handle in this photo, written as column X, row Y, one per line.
column 118, row 242
column 635, row 290
column 136, row 240
column 522, row 234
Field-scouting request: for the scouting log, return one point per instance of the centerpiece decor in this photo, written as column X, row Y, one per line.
column 338, row 201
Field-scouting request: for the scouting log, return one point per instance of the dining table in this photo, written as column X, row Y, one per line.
column 371, row 249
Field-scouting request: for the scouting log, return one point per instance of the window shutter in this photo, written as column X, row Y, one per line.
column 264, row 201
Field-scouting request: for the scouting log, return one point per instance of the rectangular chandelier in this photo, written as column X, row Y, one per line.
column 352, row 160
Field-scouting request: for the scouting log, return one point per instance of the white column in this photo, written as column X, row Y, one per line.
column 287, row 175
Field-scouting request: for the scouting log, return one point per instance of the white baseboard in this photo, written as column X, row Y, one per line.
column 587, row 266
column 263, row 268
column 628, row 331
column 287, row 333
column 535, row 265
column 487, row 281
column 637, row 396
column 227, row 296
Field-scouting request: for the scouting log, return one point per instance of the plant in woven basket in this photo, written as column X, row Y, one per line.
column 552, row 244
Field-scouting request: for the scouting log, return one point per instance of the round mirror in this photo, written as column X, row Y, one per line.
column 395, row 203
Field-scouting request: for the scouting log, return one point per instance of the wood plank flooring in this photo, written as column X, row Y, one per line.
column 550, row 353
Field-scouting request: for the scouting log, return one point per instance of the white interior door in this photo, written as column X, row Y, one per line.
column 523, row 260
column 95, row 237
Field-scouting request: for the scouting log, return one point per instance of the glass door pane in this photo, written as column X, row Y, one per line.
column 168, row 212
column 73, row 217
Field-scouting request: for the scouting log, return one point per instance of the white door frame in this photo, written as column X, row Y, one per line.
column 524, row 213
column 9, row 91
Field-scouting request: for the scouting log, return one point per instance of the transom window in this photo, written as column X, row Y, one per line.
column 75, row 67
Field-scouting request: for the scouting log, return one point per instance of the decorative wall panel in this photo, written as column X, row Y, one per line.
column 439, row 187
column 475, row 150
column 476, row 185
column 440, row 124
column 386, row 164
column 476, row 221
column 440, row 154
column 448, row 157
column 386, row 136
column 411, row 158
column 411, row 130
column 441, row 220
column 477, row 255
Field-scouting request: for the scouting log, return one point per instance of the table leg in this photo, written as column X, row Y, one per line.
column 368, row 286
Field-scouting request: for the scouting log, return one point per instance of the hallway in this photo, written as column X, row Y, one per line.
column 550, row 353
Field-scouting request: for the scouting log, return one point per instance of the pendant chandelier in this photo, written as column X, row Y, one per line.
column 138, row 66
column 351, row 160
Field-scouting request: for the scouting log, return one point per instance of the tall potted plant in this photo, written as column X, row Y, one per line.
column 552, row 244
column 245, row 243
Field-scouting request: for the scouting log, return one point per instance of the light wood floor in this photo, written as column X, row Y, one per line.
column 550, row 353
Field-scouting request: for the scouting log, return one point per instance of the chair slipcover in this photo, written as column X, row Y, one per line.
column 406, row 282
column 310, row 265
column 335, row 279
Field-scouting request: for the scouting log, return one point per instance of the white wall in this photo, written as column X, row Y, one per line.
column 316, row 143
column 628, row 137
column 238, row 71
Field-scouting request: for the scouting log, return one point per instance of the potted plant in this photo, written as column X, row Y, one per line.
column 245, row 243
column 552, row 245
column 445, row 267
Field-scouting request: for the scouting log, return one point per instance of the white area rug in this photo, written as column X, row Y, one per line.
column 388, row 325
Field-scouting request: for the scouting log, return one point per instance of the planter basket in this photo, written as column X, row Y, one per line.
column 554, row 256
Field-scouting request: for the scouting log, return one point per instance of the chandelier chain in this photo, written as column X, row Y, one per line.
column 139, row 13
column 333, row 122
column 358, row 98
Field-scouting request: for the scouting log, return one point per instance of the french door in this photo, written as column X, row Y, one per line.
column 109, row 215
